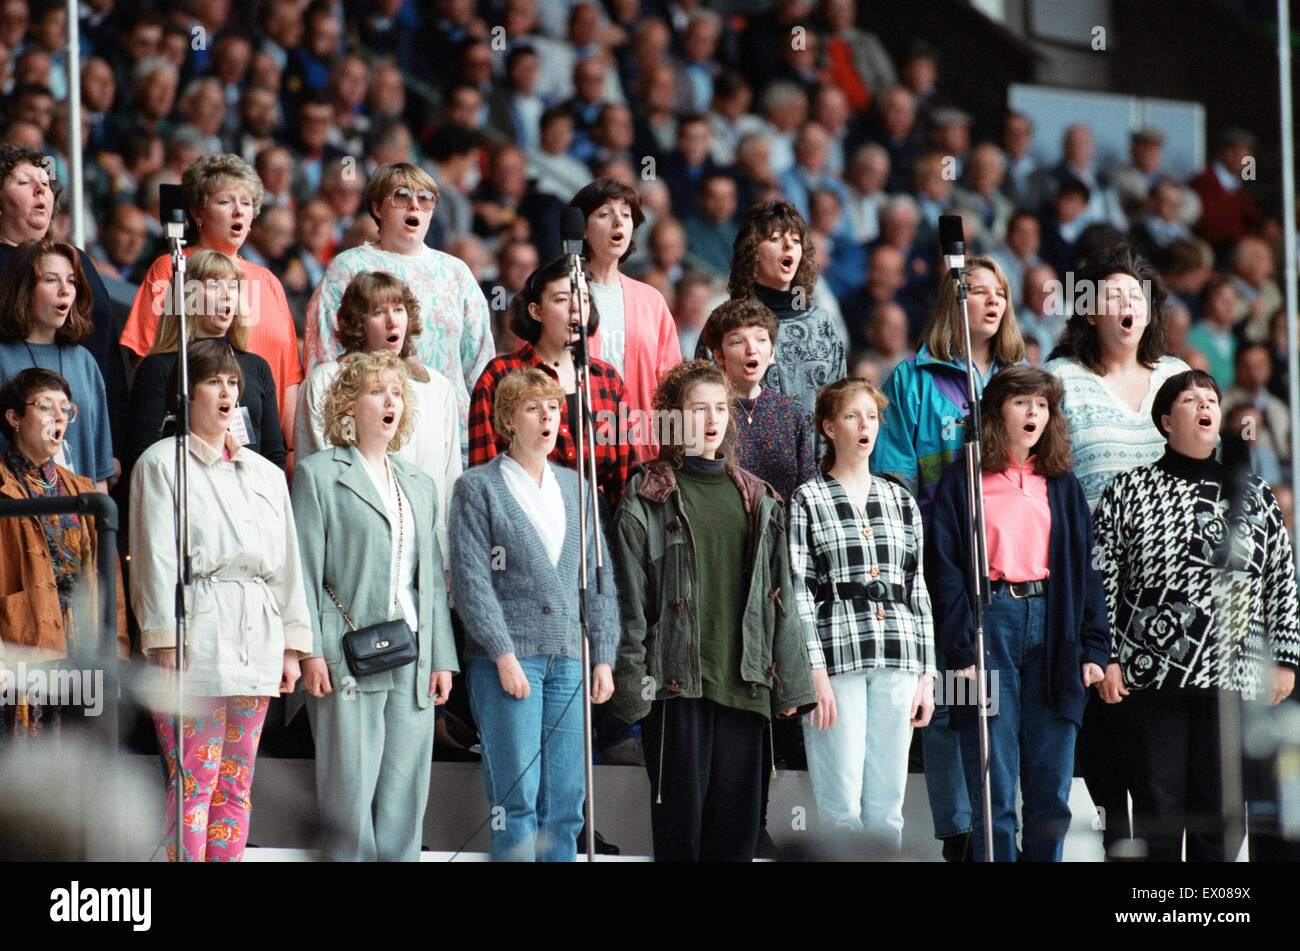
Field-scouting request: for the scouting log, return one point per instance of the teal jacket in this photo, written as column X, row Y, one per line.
column 923, row 431
column 654, row 557
column 344, row 538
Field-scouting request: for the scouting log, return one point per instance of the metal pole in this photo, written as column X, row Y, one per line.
column 74, row 124
column 1288, row 234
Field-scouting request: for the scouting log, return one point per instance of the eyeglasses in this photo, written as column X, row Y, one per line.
column 45, row 409
column 403, row 198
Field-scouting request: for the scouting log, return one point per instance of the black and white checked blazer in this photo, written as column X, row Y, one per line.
column 831, row 542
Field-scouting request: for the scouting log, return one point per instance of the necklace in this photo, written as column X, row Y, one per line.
column 750, row 410
column 37, row 365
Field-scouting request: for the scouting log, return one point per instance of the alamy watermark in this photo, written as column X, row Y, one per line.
column 54, row 686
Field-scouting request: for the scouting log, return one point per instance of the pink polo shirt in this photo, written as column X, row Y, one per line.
column 1018, row 520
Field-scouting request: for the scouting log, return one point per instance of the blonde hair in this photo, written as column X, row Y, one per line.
column 392, row 175
column 206, row 175
column 517, row 388
column 943, row 334
column 356, row 371
column 202, row 266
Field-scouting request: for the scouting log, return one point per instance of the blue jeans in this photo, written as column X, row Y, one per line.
column 537, row 800
column 945, row 781
column 1029, row 742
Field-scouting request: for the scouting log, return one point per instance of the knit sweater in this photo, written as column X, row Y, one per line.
column 1199, row 597
column 776, row 446
column 507, row 592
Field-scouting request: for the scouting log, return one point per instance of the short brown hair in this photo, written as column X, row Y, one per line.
column 204, row 265
column 356, row 370
column 831, row 399
column 734, row 315
column 756, row 224
column 366, row 291
column 942, row 335
column 670, row 398
column 18, row 389
column 598, row 191
column 204, row 358
column 518, row 387
column 393, row 175
column 521, row 322
column 17, row 282
column 1052, row 455
column 206, row 175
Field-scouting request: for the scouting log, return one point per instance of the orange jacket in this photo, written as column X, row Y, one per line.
column 29, row 601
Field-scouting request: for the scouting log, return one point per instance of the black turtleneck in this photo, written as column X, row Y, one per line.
column 1188, row 469
column 700, row 464
column 780, row 303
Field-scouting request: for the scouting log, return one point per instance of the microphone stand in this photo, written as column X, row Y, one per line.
column 584, row 432
column 981, row 593
column 181, row 502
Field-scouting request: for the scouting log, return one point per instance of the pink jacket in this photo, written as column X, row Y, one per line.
column 652, row 350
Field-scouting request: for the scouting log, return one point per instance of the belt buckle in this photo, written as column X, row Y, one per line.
column 1011, row 586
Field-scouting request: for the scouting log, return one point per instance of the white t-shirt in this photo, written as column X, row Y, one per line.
column 402, row 525
column 544, row 504
column 613, row 324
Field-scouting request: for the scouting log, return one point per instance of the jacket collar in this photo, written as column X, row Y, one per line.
column 206, row 454
column 661, row 481
column 356, row 478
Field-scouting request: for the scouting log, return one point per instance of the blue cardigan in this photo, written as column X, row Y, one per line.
column 1076, row 625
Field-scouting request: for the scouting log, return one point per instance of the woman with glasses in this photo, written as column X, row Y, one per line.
column 45, row 307
column 47, row 562
column 457, row 338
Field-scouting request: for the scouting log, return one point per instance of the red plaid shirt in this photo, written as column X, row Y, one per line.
column 614, row 455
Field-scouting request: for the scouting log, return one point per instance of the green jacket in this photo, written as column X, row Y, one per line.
column 654, row 556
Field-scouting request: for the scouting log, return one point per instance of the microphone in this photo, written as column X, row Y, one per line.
column 573, row 231
column 952, row 240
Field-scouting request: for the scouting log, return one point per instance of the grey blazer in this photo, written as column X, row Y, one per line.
column 345, row 539
column 508, row 594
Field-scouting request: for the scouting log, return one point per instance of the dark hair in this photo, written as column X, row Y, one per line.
column 11, row 156
column 669, row 397
column 598, row 191
column 1216, row 283
column 734, row 315
column 206, row 357
column 1248, row 345
column 553, row 114
column 1052, row 456
column 17, row 282
column 364, row 292
column 448, row 140
column 831, row 399
column 1079, row 339
column 1172, row 388
column 17, row 390
column 1070, row 185
column 524, row 325
column 756, row 224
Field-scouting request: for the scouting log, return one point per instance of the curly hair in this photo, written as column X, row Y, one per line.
column 1052, row 453
column 516, row 388
column 669, row 403
column 942, row 335
column 367, row 291
column 756, row 225
column 600, row 190
column 17, row 282
column 830, row 402
column 1079, row 340
column 11, row 156
column 356, row 371
column 206, row 175
column 521, row 323
column 205, row 265
column 735, row 315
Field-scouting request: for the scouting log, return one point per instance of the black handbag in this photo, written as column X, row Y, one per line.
column 384, row 646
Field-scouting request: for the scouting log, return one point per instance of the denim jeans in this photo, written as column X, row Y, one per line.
column 537, row 800
column 858, row 766
column 1028, row 741
column 945, row 779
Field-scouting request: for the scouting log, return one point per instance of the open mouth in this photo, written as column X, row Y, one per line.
column 546, row 434
column 710, row 434
column 616, row 238
column 787, row 263
column 1204, row 421
column 1030, row 428
column 224, row 408
column 389, row 418
column 56, row 435
column 864, row 441
column 412, row 221
column 1126, row 322
column 393, row 338
column 751, row 365
column 236, row 227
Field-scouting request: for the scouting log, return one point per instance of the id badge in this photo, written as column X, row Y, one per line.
column 241, row 424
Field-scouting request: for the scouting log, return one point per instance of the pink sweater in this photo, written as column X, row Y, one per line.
column 652, row 350
column 1019, row 523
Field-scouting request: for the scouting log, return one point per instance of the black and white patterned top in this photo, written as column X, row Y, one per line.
column 834, row 541
column 1199, row 598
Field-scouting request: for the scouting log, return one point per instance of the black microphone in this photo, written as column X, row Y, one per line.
column 573, row 232
column 952, row 240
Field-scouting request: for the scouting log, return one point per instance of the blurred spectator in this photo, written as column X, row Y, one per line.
column 689, row 164
column 1079, row 152
column 1278, row 349
column 1063, row 223
column 895, row 130
column 1185, row 266
column 885, row 284
column 809, row 172
column 499, row 201
column 274, row 166
column 34, row 104
column 451, row 154
column 985, row 175
column 1018, row 252
column 585, row 105
column 755, row 179
column 768, row 35
column 349, row 81
column 711, row 233
column 900, row 222
column 887, row 338
column 785, row 109
column 314, row 248
column 184, row 147
column 692, row 303
column 950, row 135
column 1133, row 180
column 648, row 50
column 48, row 33
column 453, row 22
column 1178, row 321
column 518, row 259
column 613, row 135
column 556, row 171
column 1161, row 224
column 1258, row 296
column 1212, row 334
column 698, row 68
column 308, row 67
column 1044, row 310
column 656, row 119
column 1017, row 137
column 269, row 240
column 920, row 74
column 869, row 367
column 831, row 110
column 798, row 62
column 122, row 244
column 342, row 189
column 729, row 116
column 514, row 106
column 259, row 119
column 668, row 258
column 203, row 107
column 1243, row 420
column 932, row 181
column 313, row 130
column 393, row 26
column 856, row 60
column 865, row 180
column 1227, row 210
column 388, row 140
column 387, row 96
column 230, row 58
column 554, row 63
column 1253, row 369
column 98, row 89
column 842, row 262
column 282, row 30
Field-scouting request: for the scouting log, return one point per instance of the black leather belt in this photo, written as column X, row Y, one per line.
column 874, row 590
column 1022, row 589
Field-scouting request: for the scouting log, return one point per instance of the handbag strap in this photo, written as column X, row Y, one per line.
column 401, row 540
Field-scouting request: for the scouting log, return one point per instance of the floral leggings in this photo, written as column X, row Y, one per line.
column 221, row 735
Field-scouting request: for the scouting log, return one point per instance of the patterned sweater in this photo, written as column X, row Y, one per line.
column 1199, row 597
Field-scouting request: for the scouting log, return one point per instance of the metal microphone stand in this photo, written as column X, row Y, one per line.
column 181, row 502
column 584, row 432
column 979, row 589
